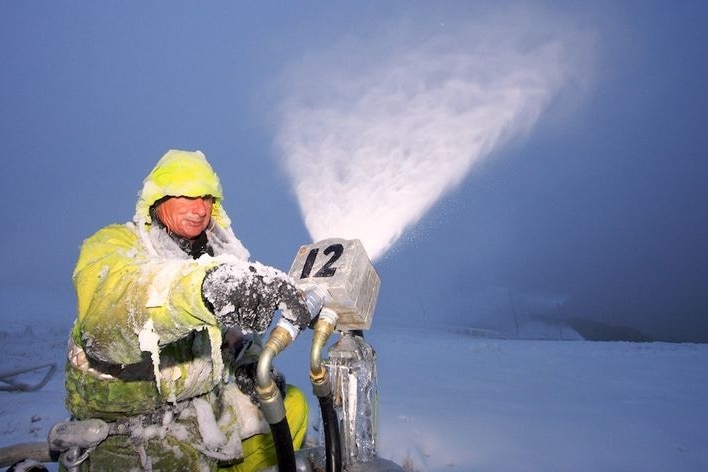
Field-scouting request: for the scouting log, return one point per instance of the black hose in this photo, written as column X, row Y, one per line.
column 333, row 447
column 283, row 446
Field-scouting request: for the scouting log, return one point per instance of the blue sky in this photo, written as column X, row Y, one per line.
column 597, row 210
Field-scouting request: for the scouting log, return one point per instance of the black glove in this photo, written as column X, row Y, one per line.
column 294, row 307
column 247, row 296
column 245, row 379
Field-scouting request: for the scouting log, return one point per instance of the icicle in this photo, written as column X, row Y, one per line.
column 148, row 340
column 217, row 362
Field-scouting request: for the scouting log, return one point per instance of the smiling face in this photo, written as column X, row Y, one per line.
column 186, row 216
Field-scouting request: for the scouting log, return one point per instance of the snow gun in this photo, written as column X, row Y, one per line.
column 341, row 288
column 345, row 384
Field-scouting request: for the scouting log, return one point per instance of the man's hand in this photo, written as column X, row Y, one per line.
column 247, row 296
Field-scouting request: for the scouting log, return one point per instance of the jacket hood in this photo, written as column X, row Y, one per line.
column 181, row 173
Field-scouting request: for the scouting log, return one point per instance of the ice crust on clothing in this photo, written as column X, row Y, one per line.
column 245, row 294
column 211, row 434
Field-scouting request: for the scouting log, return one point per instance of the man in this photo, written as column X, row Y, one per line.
column 169, row 317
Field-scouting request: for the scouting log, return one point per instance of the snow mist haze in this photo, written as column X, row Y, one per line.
column 373, row 132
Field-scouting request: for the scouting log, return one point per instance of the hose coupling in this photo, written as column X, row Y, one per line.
column 323, row 329
column 268, row 393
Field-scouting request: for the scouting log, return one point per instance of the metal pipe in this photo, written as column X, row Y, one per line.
column 323, row 329
column 322, row 387
column 268, row 393
column 271, row 399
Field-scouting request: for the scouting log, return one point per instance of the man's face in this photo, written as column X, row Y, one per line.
column 186, row 216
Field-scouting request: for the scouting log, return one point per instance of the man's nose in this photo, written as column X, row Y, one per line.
column 201, row 207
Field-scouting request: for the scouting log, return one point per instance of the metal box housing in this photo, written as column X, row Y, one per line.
column 342, row 267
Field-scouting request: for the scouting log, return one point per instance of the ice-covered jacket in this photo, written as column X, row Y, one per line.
column 143, row 338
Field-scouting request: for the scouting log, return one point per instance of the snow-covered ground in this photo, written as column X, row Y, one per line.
column 452, row 402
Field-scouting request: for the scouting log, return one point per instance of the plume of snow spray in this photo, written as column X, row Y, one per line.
column 373, row 132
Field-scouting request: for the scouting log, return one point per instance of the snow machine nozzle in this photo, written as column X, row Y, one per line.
column 342, row 271
column 340, row 287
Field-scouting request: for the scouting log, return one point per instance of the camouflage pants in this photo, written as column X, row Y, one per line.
column 170, row 453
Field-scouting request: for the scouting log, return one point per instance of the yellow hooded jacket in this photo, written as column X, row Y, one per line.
column 143, row 337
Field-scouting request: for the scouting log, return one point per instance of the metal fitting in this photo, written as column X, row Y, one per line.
column 318, row 374
column 268, row 393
